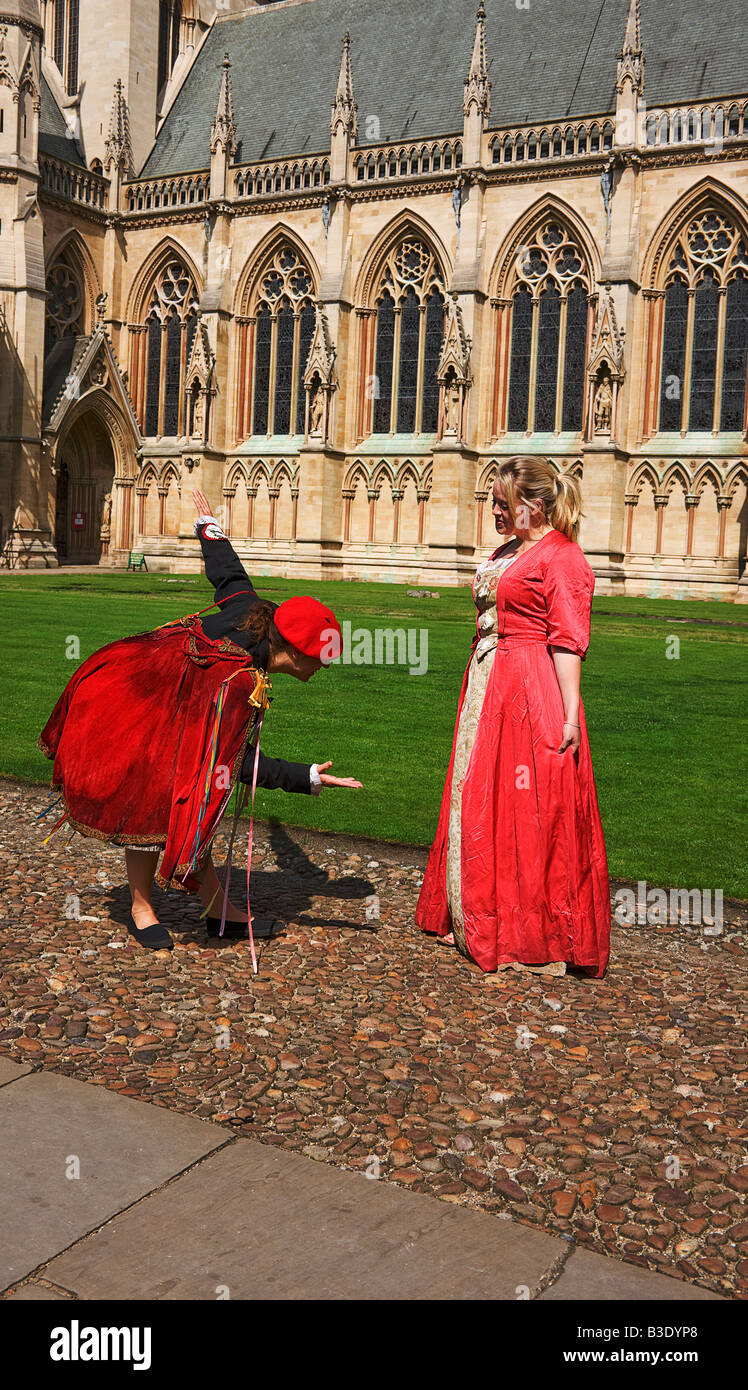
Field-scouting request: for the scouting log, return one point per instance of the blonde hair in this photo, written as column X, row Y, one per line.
column 535, row 480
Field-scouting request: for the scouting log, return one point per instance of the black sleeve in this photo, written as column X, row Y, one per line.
column 276, row 774
column 225, row 571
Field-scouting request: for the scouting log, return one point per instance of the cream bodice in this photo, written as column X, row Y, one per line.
column 486, row 579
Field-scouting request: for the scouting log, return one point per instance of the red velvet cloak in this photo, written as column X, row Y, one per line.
column 148, row 739
column 534, row 869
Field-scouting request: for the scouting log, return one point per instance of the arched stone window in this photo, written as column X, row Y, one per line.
column 409, row 330
column 169, row 38
column 65, row 309
column 549, row 302
column 705, row 332
column 171, row 320
column 284, row 321
column 62, row 33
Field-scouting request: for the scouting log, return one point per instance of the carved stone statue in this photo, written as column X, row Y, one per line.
column 317, row 411
column 606, row 188
column 106, row 518
column 451, row 407
column 198, row 415
column 602, row 410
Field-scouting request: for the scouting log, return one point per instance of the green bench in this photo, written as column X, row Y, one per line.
column 136, row 561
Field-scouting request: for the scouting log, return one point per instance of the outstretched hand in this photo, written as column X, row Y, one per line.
column 328, row 781
column 201, row 502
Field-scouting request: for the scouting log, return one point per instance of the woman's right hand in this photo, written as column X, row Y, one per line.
column 201, row 502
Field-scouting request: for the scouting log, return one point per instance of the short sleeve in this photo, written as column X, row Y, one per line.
column 568, row 587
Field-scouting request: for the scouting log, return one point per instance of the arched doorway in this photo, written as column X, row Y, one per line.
column 85, row 480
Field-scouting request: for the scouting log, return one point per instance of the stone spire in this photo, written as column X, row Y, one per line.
column 631, row 57
column 477, row 85
column 223, row 129
column 119, row 163
column 222, row 135
column 343, row 125
column 118, row 144
column 477, row 101
column 344, row 107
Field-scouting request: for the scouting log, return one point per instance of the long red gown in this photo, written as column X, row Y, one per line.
column 148, row 739
column 534, row 876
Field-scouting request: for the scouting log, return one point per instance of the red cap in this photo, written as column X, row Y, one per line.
column 310, row 627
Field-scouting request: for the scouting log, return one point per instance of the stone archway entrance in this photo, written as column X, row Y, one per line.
column 85, row 479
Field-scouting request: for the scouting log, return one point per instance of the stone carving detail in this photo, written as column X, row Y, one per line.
column 200, row 384
column 603, row 406
column 454, row 374
column 319, row 377
column 605, row 369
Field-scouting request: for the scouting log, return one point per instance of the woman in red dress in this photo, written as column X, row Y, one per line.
column 517, row 876
column 152, row 733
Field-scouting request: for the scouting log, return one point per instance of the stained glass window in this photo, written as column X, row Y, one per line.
column 171, row 380
column 411, row 282
column 384, row 360
column 169, row 36
column 64, row 303
column 59, row 34
column 284, row 330
column 153, row 379
column 550, row 270
column 410, row 337
column 306, row 333
column 64, row 41
column 519, row 377
column 171, row 319
column 176, row 23
column 704, row 357
column 72, row 64
column 673, row 355
column 284, row 369
column 575, row 359
column 163, row 43
column 705, row 325
column 262, row 370
column 432, row 353
column 549, row 319
column 736, row 354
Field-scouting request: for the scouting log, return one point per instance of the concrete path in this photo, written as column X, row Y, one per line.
column 110, row 1198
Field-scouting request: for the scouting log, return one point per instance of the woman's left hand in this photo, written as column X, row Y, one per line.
column 201, row 502
column 572, row 737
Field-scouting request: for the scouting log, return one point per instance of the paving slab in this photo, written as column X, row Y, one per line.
column 11, row 1071
column 124, row 1149
column 268, row 1224
column 590, row 1277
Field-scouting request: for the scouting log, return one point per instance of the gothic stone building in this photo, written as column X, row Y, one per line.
column 332, row 259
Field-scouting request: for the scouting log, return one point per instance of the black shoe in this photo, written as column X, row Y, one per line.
column 262, row 928
column 154, row 938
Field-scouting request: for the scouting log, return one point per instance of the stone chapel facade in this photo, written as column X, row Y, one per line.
column 283, row 252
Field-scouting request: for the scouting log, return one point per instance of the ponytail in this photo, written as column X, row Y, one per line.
column 566, row 510
column 259, row 623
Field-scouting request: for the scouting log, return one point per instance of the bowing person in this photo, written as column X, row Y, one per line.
column 152, row 732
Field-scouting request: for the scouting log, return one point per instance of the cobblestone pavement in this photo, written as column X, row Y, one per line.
column 610, row 1111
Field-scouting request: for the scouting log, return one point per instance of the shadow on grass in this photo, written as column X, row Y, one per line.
column 286, row 893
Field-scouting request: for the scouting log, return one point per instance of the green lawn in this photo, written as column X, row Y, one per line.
column 668, row 736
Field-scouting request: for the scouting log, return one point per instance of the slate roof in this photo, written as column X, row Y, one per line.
column 556, row 58
column 54, row 137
